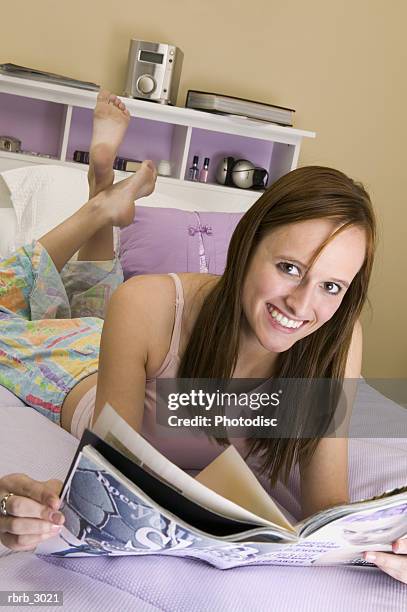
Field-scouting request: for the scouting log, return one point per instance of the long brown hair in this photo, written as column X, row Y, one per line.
column 311, row 192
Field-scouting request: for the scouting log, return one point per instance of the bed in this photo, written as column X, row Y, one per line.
column 30, row 443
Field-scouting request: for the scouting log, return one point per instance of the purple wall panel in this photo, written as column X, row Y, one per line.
column 145, row 139
column 214, row 145
column 37, row 123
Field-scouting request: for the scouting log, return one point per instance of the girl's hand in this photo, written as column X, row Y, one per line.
column 32, row 511
column 393, row 564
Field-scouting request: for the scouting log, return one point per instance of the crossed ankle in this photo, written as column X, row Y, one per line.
column 100, row 210
column 99, row 181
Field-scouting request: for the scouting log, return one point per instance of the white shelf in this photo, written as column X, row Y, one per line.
column 23, row 159
column 156, row 112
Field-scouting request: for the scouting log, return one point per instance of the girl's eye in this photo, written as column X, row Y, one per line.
column 293, row 270
column 332, row 288
column 289, row 268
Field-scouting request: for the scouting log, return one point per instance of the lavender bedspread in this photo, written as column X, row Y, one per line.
column 29, row 443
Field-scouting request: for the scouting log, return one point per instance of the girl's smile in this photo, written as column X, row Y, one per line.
column 289, row 293
column 283, row 322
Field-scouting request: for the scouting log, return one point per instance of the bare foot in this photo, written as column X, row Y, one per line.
column 118, row 199
column 110, row 121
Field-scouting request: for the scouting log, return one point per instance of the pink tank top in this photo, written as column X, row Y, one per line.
column 192, row 452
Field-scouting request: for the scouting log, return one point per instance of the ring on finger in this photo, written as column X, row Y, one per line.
column 3, row 502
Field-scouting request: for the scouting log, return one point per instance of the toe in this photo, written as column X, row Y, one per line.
column 118, row 103
column 150, row 164
column 103, row 95
column 113, row 99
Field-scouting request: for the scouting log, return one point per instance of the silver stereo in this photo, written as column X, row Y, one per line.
column 153, row 71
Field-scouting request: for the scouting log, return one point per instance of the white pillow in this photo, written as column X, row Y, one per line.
column 43, row 196
column 8, row 227
column 8, row 220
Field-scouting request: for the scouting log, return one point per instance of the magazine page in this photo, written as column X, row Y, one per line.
column 115, row 431
column 163, row 495
column 357, row 532
column 230, row 476
column 106, row 515
column 315, row 522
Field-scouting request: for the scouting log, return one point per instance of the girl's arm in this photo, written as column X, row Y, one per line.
column 324, row 480
column 135, row 339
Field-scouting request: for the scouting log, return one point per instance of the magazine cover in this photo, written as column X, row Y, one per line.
column 131, row 505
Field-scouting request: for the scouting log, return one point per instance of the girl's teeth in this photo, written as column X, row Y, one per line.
column 283, row 320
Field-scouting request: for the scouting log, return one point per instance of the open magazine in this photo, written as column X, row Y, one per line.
column 123, row 497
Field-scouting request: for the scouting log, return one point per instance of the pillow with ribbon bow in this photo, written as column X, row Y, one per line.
column 162, row 240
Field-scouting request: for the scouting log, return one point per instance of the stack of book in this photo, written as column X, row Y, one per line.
column 47, row 77
column 229, row 105
column 120, row 163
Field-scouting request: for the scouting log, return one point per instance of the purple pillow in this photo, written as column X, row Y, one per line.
column 162, row 240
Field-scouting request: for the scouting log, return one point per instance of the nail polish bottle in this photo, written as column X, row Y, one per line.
column 203, row 177
column 193, row 173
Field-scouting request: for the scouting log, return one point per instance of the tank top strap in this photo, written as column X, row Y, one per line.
column 179, row 307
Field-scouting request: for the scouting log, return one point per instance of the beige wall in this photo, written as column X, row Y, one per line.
column 340, row 64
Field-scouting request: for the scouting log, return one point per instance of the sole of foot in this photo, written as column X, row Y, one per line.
column 110, row 122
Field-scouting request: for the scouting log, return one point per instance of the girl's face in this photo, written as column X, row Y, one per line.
column 383, row 531
column 283, row 300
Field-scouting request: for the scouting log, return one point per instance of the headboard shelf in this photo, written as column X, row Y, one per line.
column 56, row 120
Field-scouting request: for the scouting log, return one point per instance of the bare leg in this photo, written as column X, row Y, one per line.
column 74, row 397
column 112, row 207
column 117, row 205
column 110, row 122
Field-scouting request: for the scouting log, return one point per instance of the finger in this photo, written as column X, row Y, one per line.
column 23, row 485
column 23, row 542
column 18, row 506
column 396, row 573
column 393, row 565
column 29, row 526
column 393, row 573
column 56, row 488
column 400, row 546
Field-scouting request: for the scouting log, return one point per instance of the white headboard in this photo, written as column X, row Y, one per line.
column 43, row 195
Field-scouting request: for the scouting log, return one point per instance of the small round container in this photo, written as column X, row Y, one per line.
column 164, row 167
